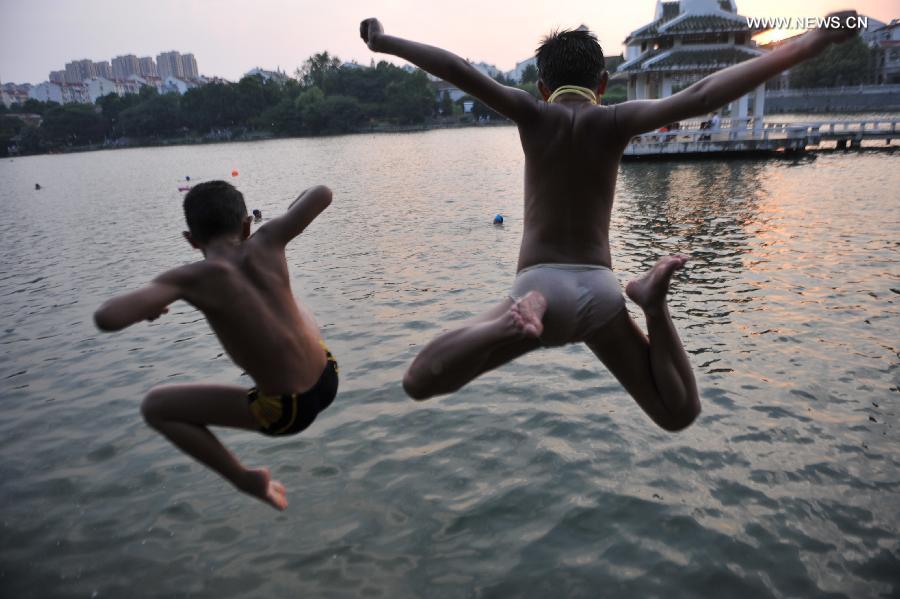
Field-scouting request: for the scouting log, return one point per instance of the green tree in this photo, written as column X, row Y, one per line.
column 32, row 106
column 446, row 104
column 615, row 94
column 10, row 126
column 284, row 118
column 255, row 96
column 309, row 106
column 849, row 63
column 366, row 85
column 410, row 99
column 74, row 124
column 530, row 74
column 159, row 116
column 340, row 114
column 112, row 106
column 316, row 69
column 328, row 114
column 32, row 141
column 212, row 106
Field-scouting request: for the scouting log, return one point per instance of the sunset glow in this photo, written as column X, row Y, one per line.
column 774, row 35
column 230, row 37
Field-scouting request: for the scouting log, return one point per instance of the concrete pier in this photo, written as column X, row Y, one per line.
column 741, row 136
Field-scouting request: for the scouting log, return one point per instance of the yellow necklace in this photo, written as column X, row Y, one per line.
column 584, row 92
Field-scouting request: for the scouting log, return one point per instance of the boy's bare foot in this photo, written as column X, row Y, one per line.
column 528, row 313
column 259, row 484
column 649, row 291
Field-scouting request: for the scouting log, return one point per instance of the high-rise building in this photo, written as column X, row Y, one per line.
column 79, row 70
column 169, row 65
column 123, row 66
column 57, row 77
column 146, row 67
column 102, row 69
column 189, row 66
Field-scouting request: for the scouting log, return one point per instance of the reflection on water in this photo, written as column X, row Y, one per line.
column 540, row 478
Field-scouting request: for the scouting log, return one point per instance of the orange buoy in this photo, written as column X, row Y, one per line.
column 234, row 173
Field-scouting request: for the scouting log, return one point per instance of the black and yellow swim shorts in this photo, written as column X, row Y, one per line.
column 290, row 413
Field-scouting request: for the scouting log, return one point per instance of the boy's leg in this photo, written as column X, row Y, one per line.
column 505, row 332
column 655, row 371
column 182, row 412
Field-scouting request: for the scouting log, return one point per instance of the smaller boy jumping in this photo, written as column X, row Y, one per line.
column 243, row 288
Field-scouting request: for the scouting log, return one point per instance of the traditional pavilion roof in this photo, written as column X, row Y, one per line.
column 688, row 24
column 704, row 23
column 687, row 59
column 684, row 17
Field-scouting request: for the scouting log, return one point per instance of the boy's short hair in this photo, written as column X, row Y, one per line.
column 212, row 209
column 570, row 57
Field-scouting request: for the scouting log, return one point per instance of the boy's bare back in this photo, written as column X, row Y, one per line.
column 570, row 180
column 245, row 293
column 243, row 288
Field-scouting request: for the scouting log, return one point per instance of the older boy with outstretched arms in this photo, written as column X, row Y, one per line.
column 564, row 291
column 243, row 288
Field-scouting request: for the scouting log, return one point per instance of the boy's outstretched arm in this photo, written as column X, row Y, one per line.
column 300, row 213
column 720, row 88
column 148, row 303
column 511, row 102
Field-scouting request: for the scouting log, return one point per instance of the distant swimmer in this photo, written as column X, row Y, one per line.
column 565, row 291
column 37, row 186
column 243, row 288
column 257, row 215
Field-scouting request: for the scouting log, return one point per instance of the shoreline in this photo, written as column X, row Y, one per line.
column 255, row 136
column 125, row 143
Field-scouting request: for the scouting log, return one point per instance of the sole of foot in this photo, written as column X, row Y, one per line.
column 650, row 290
column 528, row 314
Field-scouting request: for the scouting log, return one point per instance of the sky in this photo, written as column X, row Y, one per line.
column 229, row 37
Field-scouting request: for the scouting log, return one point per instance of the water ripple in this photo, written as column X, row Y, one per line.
column 540, row 479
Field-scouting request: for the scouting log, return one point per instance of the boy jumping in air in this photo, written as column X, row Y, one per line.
column 564, row 291
column 243, row 288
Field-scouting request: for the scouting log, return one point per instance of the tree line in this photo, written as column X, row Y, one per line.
column 850, row 63
column 323, row 98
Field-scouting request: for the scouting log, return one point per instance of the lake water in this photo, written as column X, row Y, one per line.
column 540, row 479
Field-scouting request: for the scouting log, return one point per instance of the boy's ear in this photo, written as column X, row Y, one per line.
column 190, row 240
column 245, row 227
column 604, row 81
column 545, row 91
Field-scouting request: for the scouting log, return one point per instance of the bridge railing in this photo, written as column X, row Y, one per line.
column 833, row 91
column 733, row 131
column 743, row 129
column 836, row 128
